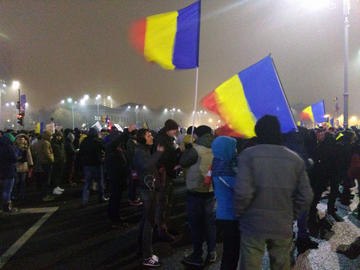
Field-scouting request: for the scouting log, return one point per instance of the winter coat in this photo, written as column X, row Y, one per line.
column 24, row 155
column 145, row 164
column 69, row 151
column 116, row 164
column 271, row 190
column 59, row 151
column 198, row 160
column 224, row 176
column 170, row 157
column 8, row 159
column 42, row 151
column 130, row 151
column 92, row 151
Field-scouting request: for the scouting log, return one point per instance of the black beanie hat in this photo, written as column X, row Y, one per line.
column 202, row 130
column 189, row 130
column 268, row 130
column 171, row 125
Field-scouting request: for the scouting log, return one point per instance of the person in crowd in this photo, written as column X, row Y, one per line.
column 8, row 159
column 131, row 145
column 271, row 191
column 43, row 161
column 70, row 158
column 224, row 178
column 145, row 165
column 167, row 167
column 23, row 165
column 117, row 169
column 92, row 156
column 200, row 201
column 57, row 144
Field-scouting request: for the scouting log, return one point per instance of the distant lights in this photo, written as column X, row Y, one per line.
column 178, row 110
column 98, row 97
column 12, row 103
column 137, row 107
column 7, row 104
column 166, row 110
column 69, row 100
column 129, row 107
column 108, row 97
column 86, row 97
column 62, row 101
column 144, row 107
column 82, row 102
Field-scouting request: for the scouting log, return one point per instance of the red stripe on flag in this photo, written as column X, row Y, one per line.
column 209, row 102
column 305, row 116
column 227, row 131
column 137, row 35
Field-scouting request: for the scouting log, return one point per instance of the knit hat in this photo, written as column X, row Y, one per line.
column 171, row 125
column 268, row 130
column 189, row 130
column 10, row 137
column 202, row 130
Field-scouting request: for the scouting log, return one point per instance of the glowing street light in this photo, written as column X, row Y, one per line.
column 69, row 100
column 166, row 110
column 7, row 104
column 26, row 104
column 15, row 85
column 144, row 107
column 108, row 97
column 62, row 101
column 128, row 107
column 12, row 103
column 137, row 107
column 82, row 102
column 98, row 97
column 178, row 110
column 86, row 97
column 210, row 120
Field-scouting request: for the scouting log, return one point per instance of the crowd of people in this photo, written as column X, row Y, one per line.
column 252, row 190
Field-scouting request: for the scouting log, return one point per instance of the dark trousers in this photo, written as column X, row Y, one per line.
column 147, row 222
column 57, row 176
column 231, row 244
column 133, row 183
column 165, row 203
column 115, row 199
column 201, row 217
column 319, row 188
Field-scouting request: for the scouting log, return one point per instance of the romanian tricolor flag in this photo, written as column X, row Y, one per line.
column 249, row 95
column 170, row 39
column 315, row 113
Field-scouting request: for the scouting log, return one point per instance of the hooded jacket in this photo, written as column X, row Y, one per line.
column 8, row 158
column 271, row 190
column 198, row 160
column 24, row 155
column 42, row 150
column 92, row 150
column 224, row 176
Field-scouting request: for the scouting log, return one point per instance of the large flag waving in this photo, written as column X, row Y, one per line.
column 249, row 95
column 315, row 113
column 170, row 39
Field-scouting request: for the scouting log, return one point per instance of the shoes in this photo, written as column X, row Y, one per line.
column 135, row 202
column 57, row 191
column 153, row 261
column 7, row 208
column 60, row 189
column 211, row 257
column 103, row 199
column 336, row 216
column 303, row 244
column 351, row 251
column 193, row 260
column 48, row 198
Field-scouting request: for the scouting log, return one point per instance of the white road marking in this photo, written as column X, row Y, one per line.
column 30, row 232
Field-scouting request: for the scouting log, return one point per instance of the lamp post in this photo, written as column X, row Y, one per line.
column 2, row 89
column 346, row 10
column 98, row 98
column 70, row 101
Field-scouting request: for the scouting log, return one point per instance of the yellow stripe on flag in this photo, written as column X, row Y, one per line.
column 37, row 129
column 234, row 107
column 160, row 38
column 308, row 110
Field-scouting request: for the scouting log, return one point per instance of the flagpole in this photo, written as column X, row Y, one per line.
column 195, row 100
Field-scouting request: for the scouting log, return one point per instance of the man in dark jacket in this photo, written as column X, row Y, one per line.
column 70, row 158
column 133, row 179
column 92, row 157
column 145, row 165
column 8, row 161
column 57, row 145
column 117, row 171
column 271, row 191
column 167, row 168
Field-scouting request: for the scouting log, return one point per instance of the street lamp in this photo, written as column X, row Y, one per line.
column 15, row 85
column 110, row 99
column 98, row 97
column 346, row 12
column 70, row 100
column 62, row 101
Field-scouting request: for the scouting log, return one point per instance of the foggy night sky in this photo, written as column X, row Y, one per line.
column 64, row 48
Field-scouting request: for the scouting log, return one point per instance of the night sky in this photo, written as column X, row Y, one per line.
column 66, row 48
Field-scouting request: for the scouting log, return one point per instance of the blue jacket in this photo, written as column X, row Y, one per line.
column 224, row 176
column 8, row 159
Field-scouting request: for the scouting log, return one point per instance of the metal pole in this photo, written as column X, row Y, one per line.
column 72, row 112
column 346, row 6
column 195, row 100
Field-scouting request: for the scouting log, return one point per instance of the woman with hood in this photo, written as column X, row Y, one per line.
column 23, row 165
column 224, row 178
